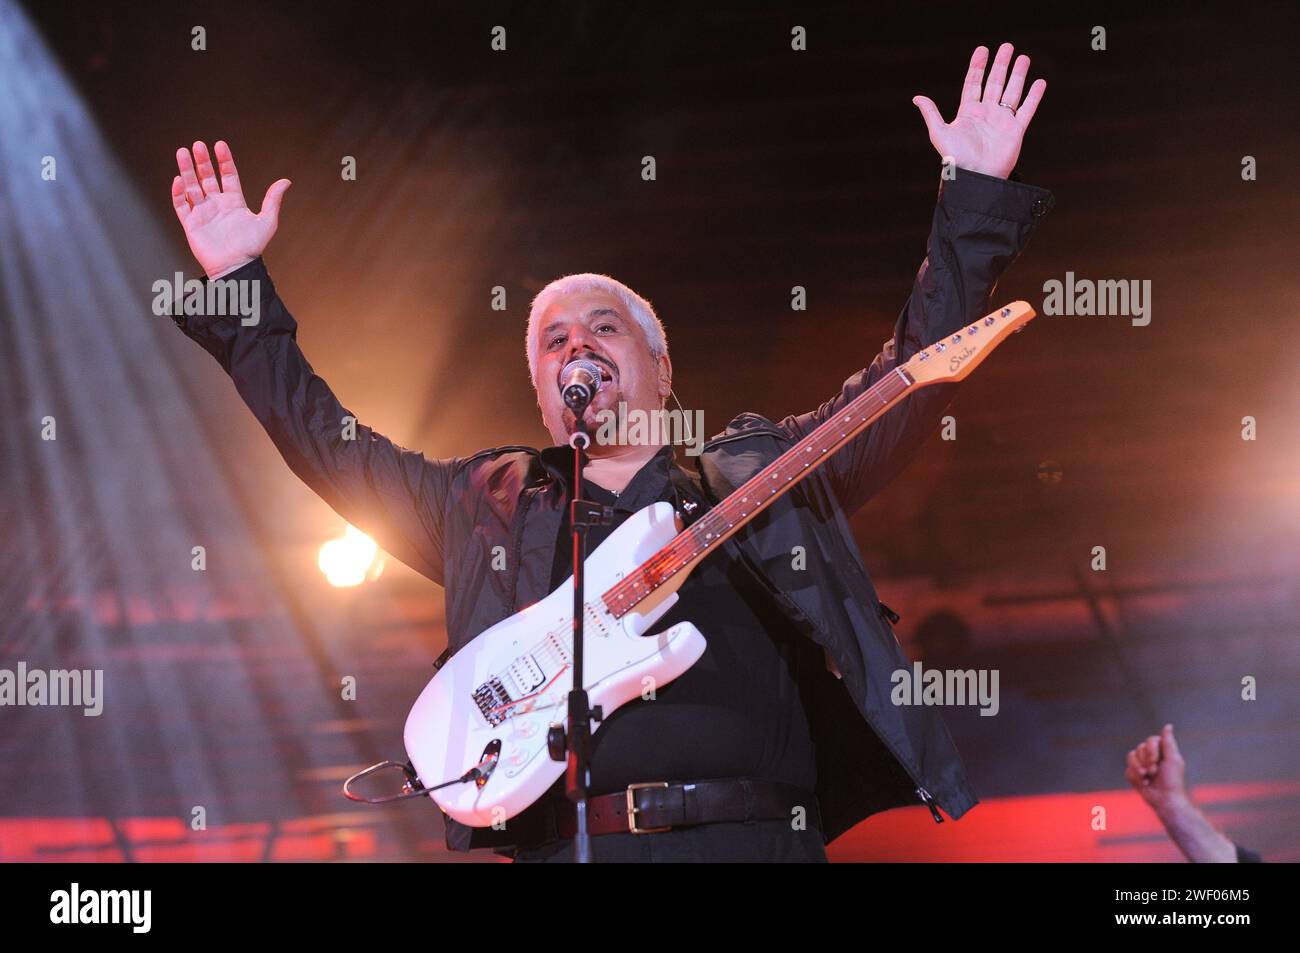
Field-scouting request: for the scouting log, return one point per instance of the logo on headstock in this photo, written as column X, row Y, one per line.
column 955, row 360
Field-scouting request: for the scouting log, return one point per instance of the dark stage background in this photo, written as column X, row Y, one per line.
column 477, row 169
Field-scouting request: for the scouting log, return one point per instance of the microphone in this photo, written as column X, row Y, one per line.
column 579, row 382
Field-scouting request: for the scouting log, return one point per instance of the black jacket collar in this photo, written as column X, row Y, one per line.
column 558, row 460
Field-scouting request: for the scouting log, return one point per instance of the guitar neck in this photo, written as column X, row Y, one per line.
column 759, row 492
column 950, row 359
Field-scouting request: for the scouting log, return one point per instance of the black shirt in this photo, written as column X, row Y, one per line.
column 736, row 712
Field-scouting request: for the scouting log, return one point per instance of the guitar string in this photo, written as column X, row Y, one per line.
column 674, row 550
column 687, row 545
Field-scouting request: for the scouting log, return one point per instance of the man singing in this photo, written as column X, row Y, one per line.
column 782, row 736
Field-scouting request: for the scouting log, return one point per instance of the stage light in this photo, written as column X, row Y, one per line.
column 350, row 560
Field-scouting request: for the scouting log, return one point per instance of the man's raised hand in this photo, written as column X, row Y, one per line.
column 991, row 120
column 222, row 231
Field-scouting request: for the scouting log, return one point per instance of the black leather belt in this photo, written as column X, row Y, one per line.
column 659, row 806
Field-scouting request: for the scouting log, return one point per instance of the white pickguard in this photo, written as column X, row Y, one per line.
column 447, row 731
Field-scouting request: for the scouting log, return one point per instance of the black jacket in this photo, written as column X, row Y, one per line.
column 444, row 517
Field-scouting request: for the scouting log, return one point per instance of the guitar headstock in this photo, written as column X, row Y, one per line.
column 958, row 354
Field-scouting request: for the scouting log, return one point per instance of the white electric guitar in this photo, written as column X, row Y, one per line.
column 492, row 703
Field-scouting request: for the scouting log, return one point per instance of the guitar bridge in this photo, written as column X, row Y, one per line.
column 493, row 701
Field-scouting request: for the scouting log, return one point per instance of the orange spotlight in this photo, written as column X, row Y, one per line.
column 351, row 560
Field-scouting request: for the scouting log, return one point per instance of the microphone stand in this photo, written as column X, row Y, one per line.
column 583, row 514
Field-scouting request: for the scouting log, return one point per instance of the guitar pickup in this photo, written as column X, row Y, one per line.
column 526, row 674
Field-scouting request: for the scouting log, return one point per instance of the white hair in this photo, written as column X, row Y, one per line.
column 638, row 308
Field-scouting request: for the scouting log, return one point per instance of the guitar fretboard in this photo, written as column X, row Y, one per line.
column 752, row 497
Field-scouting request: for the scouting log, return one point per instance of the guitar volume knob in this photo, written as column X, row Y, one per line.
column 555, row 744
